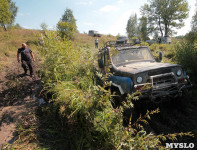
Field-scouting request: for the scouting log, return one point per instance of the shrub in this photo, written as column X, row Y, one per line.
column 65, row 30
column 191, row 37
column 168, row 50
column 187, row 56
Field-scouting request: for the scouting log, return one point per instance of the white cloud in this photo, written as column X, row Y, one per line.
column 23, row 14
column 88, row 24
column 109, row 8
column 84, row 3
column 27, row 27
column 120, row 1
column 119, row 25
column 51, row 27
column 20, row 14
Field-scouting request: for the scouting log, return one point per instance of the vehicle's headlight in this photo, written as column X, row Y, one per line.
column 179, row 72
column 139, row 79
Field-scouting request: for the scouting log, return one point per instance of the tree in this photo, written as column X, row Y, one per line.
column 8, row 11
column 194, row 20
column 191, row 37
column 5, row 13
column 164, row 15
column 65, row 29
column 143, row 28
column 67, row 25
column 13, row 10
column 132, row 26
column 44, row 26
column 18, row 26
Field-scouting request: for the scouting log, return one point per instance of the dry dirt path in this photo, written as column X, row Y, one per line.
column 18, row 98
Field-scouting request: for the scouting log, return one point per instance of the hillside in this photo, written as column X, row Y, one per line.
column 12, row 39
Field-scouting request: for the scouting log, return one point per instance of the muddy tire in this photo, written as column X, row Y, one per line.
column 117, row 98
column 129, row 116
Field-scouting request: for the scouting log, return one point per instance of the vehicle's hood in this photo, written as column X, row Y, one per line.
column 138, row 67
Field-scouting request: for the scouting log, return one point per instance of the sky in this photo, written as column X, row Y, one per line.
column 105, row 16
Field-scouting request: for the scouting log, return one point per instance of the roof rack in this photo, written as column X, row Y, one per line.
column 113, row 44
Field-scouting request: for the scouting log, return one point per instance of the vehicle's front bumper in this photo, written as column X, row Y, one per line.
column 159, row 93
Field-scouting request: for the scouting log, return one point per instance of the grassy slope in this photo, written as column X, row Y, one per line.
column 12, row 39
column 86, row 41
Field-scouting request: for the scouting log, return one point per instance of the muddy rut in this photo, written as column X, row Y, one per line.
column 18, row 98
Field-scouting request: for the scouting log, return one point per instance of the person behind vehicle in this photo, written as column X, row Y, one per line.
column 96, row 43
column 26, row 58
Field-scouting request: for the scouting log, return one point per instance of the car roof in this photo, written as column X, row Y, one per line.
column 130, row 47
column 113, row 44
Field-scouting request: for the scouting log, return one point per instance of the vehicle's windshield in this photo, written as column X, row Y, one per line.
column 131, row 55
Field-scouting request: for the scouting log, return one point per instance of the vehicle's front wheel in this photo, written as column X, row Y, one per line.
column 117, row 98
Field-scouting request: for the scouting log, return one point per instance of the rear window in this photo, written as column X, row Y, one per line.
column 122, row 38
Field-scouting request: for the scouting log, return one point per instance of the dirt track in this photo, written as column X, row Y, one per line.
column 18, row 98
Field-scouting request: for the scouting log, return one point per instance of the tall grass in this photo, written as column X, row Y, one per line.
column 84, row 110
column 187, row 56
column 168, row 50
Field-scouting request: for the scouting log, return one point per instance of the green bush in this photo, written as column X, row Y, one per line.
column 191, row 37
column 66, row 30
column 84, row 109
column 187, row 56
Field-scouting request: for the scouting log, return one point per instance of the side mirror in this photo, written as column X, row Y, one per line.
column 100, row 63
column 160, row 56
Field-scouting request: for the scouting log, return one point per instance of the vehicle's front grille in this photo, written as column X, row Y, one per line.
column 162, row 80
column 161, row 71
column 159, row 81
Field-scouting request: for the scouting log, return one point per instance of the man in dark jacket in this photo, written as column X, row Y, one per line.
column 26, row 58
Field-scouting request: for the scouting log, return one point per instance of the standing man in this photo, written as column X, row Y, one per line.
column 96, row 43
column 26, row 58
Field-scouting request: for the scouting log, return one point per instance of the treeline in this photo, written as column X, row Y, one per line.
column 159, row 19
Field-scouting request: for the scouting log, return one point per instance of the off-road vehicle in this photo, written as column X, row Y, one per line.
column 132, row 67
column 122, row 40
column 94, row 33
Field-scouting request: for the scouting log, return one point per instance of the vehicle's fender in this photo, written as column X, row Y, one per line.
column 124, row 84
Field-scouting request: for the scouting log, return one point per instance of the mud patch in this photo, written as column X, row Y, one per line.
column 18, row 98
